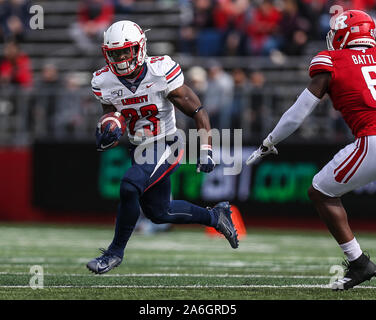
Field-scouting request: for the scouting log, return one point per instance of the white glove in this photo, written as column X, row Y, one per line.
column 266, row 148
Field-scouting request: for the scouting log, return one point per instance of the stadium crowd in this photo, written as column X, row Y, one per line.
column 234, row 98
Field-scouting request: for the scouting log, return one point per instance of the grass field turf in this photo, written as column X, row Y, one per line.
column 182, row 264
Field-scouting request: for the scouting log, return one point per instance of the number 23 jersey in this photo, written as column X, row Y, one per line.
column 352, row 88
column 143, row 102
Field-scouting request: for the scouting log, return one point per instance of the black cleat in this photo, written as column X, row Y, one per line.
column 357, row 271
column 106, row 262
column 225, row 225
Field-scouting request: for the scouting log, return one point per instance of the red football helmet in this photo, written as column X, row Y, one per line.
column 351, row 28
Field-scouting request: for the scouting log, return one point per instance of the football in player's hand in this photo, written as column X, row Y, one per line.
column 115, row 119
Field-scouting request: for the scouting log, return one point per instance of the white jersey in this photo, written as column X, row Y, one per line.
column 144, row 104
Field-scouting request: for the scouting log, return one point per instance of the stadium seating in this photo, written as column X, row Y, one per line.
column 284, row 76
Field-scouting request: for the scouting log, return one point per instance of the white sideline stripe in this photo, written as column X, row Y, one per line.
column 194, row 287
column 196, row 275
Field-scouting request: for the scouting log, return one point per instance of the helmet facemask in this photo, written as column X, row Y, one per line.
column 124, row 47
column 330, row 38
column 124, row 60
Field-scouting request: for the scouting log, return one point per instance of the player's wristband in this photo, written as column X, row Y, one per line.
column 197, row 110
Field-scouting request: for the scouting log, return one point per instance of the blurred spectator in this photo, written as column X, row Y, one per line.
column 123, row 6
column 187, row 40
column 293, row 29
column 229, row 14
column 218, row 96
column 197, row 79
column 235, row 44
column 228, row 18
column 261, row 29
column 240, row 98
column 363, row 4
column 253, row 117
column 203, row 13
column 68, row 116
column 317, row 13
column 15, row 67
column 196, row 34
column 45, row 103
column 94, row 16
column 14, row 19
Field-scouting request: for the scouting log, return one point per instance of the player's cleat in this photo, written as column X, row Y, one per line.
column 225, row 225
column 104, row 263
column 357, row 271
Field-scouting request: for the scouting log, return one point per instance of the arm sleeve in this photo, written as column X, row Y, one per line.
column 294, row 117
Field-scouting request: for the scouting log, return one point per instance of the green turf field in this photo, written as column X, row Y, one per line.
column 175, row 265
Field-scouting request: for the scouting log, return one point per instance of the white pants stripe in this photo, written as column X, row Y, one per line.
column 352, row 167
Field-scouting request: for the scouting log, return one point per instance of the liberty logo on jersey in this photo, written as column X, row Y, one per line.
column 134, row 100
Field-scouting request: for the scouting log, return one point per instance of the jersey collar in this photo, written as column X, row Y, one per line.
column 132, row 86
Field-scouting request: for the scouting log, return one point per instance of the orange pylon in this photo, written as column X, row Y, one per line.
column 238, row 223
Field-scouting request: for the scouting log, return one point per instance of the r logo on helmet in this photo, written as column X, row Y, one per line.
column 340, row 22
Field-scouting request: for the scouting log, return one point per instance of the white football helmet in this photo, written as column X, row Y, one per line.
column 124, row 47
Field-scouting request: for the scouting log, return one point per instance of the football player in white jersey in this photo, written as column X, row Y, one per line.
column 145, row 91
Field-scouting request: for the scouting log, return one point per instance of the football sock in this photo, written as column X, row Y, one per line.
column 351, row 249
column 181, row 212
column 126, row 219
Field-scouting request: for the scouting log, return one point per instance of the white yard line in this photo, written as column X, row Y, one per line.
column 191, row 287
column 190, row 275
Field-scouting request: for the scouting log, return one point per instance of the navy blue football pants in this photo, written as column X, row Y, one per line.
column 147, row 185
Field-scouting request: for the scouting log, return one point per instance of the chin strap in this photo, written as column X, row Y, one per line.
column 344, row 40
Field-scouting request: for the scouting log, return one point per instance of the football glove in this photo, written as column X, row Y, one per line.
column 266, row 148
column 205, row 162
column 107, row 138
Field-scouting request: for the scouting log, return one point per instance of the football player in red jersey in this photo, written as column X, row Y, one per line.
column 347, row 72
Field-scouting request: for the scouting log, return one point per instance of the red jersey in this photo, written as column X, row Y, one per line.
column 353, row 86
